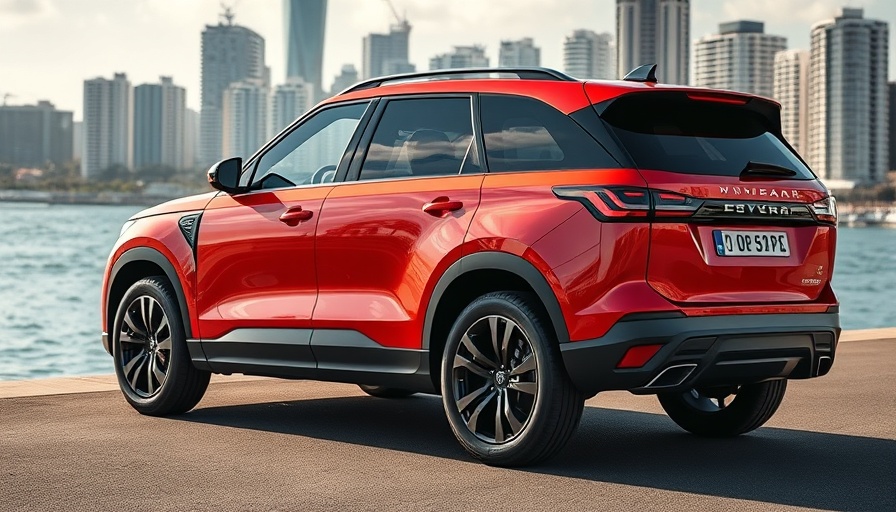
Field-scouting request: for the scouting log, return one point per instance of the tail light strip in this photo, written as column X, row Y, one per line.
column 635, row 204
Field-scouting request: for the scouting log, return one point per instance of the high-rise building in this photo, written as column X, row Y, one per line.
column 230, row 53
column 160, row 125
column 108, row 124
column 892, row 126
column 461, row 57
column 35, row 135
column 387, row 54
column 654, row 32
column 791, row 89
column 191, row 138
column 587, row 54
column 77, row 140
column 347, row 77
column 848, row 115
column 305, row 24
column 289, row 101
column 245, row 114
column 741, row 57
column 521, row 53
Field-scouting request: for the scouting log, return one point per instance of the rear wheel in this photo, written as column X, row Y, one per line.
column 724, row 411
column 505, row 390
column 384, row 392
column 154, row 369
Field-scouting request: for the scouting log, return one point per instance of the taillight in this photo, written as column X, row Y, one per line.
column 825, row 210
column 630, row 203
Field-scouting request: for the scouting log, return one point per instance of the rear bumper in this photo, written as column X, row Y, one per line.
column 709, row 350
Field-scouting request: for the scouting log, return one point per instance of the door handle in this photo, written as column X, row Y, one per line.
column 441, row 205
column 295, row 214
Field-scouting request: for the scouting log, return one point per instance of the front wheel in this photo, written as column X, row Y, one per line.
column 505, row 390
column 152, row 364
column 724, row 411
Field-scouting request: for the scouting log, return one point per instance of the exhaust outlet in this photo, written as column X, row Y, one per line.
column 672, row 376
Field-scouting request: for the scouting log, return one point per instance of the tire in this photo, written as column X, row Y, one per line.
column 154, row 370
column 384, row 392
column 753, row 405
column 540, row 407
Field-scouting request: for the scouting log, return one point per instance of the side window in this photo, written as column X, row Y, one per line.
column 422, row 137
column 524, row 134
column 311, row 152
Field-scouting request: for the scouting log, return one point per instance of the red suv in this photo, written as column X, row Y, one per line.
column 515, row 240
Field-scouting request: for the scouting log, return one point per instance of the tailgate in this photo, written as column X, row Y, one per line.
column 737, row 216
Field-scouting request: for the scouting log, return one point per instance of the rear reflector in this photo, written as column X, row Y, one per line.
column 638, row 356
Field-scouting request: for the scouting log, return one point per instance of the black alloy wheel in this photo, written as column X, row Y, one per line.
column 724, row 411
column 505, row 390
column 152, row 362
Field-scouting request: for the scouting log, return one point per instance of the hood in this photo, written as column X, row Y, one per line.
column 183, row 204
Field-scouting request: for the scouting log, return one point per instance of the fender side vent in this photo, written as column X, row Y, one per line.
column 189, row 226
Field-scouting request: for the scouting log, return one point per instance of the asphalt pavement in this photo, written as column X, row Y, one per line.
column 296, row 445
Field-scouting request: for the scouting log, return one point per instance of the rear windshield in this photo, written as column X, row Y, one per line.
column 678, row 134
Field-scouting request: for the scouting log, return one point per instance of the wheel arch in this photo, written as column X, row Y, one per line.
column 472, row 276
column 136, row 264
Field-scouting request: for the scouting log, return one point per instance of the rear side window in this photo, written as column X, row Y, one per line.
column 674, row 133
column 422, row 137
column 524, row 134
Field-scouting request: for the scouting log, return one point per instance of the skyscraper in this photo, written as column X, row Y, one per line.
column 305, row 24
column 460, row 57
column 289, row 101
column 848, row 116
column 654, row 31
column 159, row 125
column 35, row 135
column 892, row 89
column 521, row 53
column 387, row 54
column 347, row 77
column 108, row 124
column 741, row 57
column 230, row 53
column 791, row 89
column 245, row 114
column 587, row 54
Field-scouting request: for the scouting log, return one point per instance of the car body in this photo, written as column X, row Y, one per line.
column 632, row 235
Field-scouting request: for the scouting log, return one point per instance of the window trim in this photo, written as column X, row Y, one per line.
column 251, row 166
column 360, row 154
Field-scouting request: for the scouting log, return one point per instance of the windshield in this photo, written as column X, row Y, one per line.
column 674, row 133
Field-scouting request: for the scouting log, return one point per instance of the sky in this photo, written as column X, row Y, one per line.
column 49, row 47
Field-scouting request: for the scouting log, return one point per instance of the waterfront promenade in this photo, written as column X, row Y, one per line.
column 263, row 444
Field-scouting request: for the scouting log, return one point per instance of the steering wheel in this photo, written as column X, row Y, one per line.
column 320, row 174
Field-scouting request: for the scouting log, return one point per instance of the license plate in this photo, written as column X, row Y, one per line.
column 751, row 243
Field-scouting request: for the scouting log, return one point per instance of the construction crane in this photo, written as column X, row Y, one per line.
column 228, row 11
column 398, row 18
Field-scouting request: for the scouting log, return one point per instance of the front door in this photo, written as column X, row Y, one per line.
column 255, row 255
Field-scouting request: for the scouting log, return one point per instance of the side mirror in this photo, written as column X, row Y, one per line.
column 225, row 175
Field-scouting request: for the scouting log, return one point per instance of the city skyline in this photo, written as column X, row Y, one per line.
column 35, row 75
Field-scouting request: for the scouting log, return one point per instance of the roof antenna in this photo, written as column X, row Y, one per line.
column 645, row 73
column 228, row 13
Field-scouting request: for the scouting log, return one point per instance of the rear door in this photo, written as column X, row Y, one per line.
column 738, row 216
column 399, row 220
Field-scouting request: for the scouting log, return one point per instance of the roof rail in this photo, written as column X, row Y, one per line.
column 533, row 73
